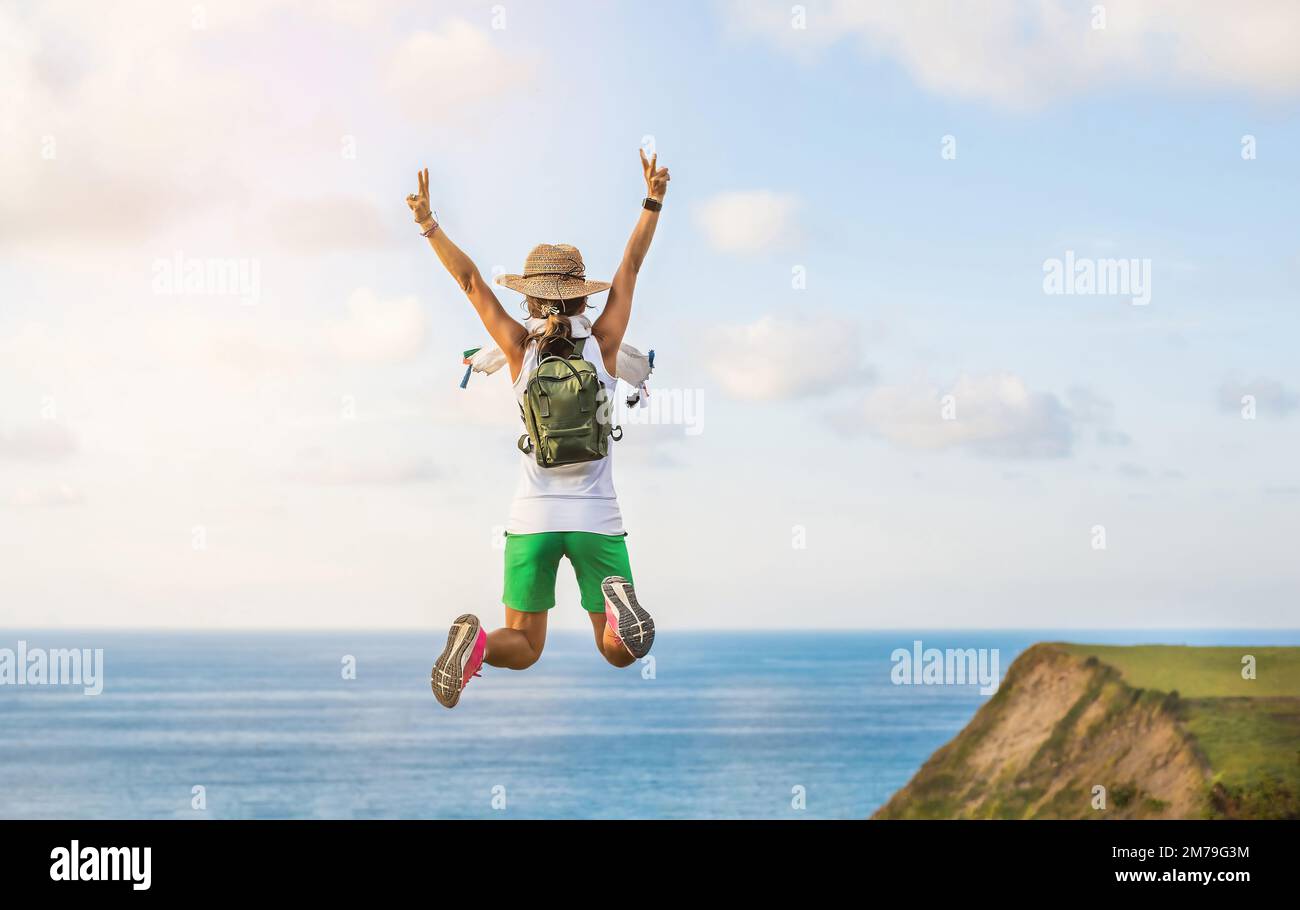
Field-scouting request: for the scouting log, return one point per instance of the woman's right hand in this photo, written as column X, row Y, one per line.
column 419, row 202
column 656, row 178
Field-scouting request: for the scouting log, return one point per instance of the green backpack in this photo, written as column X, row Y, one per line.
column 566, row 411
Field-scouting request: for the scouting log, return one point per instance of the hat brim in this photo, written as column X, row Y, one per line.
column 548, row 288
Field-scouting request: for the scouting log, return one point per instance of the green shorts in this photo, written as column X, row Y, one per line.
column 532, row 559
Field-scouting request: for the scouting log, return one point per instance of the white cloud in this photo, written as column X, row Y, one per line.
column 119, row 123
column 379, row 331
column 44, row 441
column 111, row 115
column 46, row 497
column 747, row 222
column 458, row 64
column 1271, row 397
column 1092, row 410
column 777, row 357
column 1025, row 53
column 993, row 414
column 316, row 466
column 328, row 225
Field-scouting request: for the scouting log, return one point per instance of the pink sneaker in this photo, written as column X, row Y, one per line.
column 625, row 618
column 460, row 660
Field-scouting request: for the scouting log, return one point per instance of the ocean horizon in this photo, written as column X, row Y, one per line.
column 755, row 724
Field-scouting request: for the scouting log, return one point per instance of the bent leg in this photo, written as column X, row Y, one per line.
column 520, row 643
column 530, row 564
column 610, row 648
column 596, row 557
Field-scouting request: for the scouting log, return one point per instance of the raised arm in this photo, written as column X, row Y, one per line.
column 611, row 325
column 505, row 331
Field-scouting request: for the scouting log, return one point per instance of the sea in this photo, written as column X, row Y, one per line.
column 752, row 725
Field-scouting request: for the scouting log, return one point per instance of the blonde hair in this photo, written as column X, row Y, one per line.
column 556, row 313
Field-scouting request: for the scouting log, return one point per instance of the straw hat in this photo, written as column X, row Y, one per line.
column 553, row 272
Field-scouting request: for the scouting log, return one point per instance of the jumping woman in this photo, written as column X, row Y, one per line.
column 565, row 503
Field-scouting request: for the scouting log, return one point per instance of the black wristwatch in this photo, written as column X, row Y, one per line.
column 652, row 205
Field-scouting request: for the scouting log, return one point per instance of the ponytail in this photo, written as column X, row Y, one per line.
column 556, row 313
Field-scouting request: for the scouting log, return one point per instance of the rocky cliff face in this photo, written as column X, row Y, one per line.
column 1058, row 727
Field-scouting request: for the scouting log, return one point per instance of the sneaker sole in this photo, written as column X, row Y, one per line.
column 448, row 675
column 635, row 626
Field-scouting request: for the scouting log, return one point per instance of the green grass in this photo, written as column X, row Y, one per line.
column 1245, row 731
column 1248, row 730
column 1201, row 672
column 1253, row 746
column 1240, row 735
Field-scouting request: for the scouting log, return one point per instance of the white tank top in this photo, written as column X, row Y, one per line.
column 572, row 497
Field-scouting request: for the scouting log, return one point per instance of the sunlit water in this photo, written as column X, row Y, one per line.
column 726, row 725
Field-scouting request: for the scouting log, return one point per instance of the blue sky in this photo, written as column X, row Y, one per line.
column 307, row 460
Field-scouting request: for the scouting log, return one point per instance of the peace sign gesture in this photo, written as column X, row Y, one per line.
column 419, row 201
column 656, row 178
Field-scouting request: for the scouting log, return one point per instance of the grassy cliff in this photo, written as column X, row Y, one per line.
column 1168, row 731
